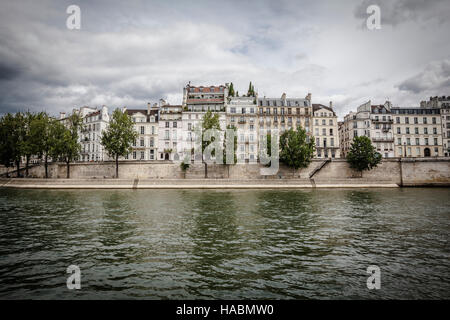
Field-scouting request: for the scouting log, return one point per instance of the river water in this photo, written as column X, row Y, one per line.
column 205, row 244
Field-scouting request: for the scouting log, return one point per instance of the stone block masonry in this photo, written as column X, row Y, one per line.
column 391, row 172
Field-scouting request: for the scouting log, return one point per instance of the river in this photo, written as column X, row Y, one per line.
column 233, row 244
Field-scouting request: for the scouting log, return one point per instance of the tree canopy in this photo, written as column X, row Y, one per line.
column 363, row 155
column 118, row 138
column 297, row 149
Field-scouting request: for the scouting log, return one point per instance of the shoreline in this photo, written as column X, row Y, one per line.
column 24, row 183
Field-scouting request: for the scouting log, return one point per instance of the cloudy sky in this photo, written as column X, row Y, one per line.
column 128, row 53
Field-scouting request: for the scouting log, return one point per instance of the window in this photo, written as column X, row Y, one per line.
column 434, row 130
column 142, row 142
column 435, row 141
column 425, row 120
column 406, row 120
column 398, row 130
column 407, row 130
column 142, row 129
column 397, row 119
column 134, row 155
column 332, row 142
column 434, row 120
column 425, row 130
column 416, row 130
column 331, row 122
column 426, row 141
column 408, row 141
column 153, row 129
column 416, row 120
column 174, row 125
column 152, row 142
column 142, row 155
column 167, row 124
column 324, row 132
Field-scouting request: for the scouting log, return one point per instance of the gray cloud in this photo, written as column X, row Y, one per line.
column 434, row 78
column 129, row 53
column 394, row 12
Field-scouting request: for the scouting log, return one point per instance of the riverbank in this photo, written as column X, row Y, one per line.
column 188, row 184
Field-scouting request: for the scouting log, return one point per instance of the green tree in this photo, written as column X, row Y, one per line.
column 118, row 138
column 363, row 155
column 55, row 143
column 12, row 132
column 40, row 137
column 251, row 90
column 9, row 140
column 30, row 139
column 68, row 146
column 210, row 121
column 231, row 90
column 297, row 149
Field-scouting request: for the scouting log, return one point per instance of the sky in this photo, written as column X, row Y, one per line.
column 129, row 53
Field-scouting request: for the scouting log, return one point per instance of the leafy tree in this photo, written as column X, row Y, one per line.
column 54, row 144
column 118, row 138
column 68, row 146
column 30, row 139
column 184, row 167
column 363, row 155
column 12, row 131
column 251, row 90
column 40, row 137
column 297, row 149
column 210, row 121
column 231, row 90
column 8, row 141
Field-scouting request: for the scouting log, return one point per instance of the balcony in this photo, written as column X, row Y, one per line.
column 383, row 121
column 383, row 139
column 242, row 121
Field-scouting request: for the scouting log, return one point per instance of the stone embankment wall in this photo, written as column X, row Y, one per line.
column 409, row 172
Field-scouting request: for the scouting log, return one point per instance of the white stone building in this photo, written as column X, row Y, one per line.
column 373, row 121
column 170, row 132
column 325, row 131
column 146, row 125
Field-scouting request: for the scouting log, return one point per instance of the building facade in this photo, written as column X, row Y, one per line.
column 145, row 147
column 241, row 112
column 325, row 131
column 418, row 132
column 170, row 132
column 373, row 121
column 94, row 123
column 442, row 103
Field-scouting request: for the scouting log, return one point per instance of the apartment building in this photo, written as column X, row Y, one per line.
column 442, row 103
column 145, row 147
column 284, row 113
column 196, row 102
column 373, row 121
column 418, row 132
column 95, row 121
column 325, row 131
column 170, row 132
column 241, row 112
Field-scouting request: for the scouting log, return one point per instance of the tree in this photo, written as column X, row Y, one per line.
column 54, row 146
column 68, row 146
column 118, row 138
column 231, row 90
column 210, row 121
column 40, row 137
column 363, row 155
column 7, row 140
column 297, row 149
column 184, row 166
column 30, row 139
column 12, row 127
column 251, row 90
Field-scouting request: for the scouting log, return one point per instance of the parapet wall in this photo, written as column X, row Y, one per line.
column 410, row 172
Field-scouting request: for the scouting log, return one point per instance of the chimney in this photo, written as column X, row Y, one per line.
column 308, row 97
column 331, row 104
column 149, row 107
column 283, row 96
column 62, row 115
